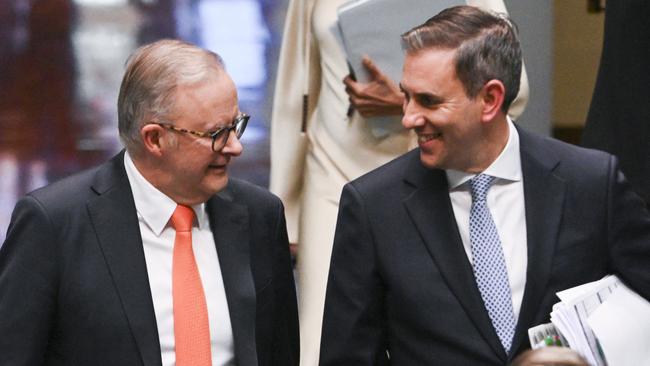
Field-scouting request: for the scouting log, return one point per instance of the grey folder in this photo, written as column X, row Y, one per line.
column 373, row 28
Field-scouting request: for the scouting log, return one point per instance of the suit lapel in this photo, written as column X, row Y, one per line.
column 230, row 226
column 430, row 210
column 114, row 219
column 544, row 197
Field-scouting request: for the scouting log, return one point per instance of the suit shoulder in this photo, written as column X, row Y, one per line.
column 564, row 148
column 71, row 193
column 66, row 191
column 389, row 173
column 60, row 204
column 252, row 194
column 568, row 154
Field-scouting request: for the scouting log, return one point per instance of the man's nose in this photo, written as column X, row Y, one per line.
column 233, row 146
column 412, row 116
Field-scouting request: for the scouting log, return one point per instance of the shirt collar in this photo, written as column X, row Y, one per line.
column 506, row 166
column 152, row 205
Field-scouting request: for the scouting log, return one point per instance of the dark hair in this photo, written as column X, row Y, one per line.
column 486, row 47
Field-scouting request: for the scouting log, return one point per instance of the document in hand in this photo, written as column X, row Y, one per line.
column 373, row 28
column 604, row 321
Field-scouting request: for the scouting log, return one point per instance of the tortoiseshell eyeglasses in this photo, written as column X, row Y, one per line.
column 219, row 136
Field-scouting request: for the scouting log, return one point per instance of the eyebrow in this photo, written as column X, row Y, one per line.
column 431, row 98
column 218, row 126
column 434, row 99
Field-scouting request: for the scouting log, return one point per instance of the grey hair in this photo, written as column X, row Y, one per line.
column 486, row 47
column 152, row 74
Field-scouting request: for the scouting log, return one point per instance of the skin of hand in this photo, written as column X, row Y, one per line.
column 549, row 356
column 379, row 97
column 293, row 249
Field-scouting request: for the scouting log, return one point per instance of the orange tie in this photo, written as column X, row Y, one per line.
column 191, row 326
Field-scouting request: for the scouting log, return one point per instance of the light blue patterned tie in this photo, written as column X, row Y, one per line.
column 489, row 263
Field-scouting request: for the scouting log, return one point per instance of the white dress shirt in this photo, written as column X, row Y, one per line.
column 505, row 200
column 154, row 210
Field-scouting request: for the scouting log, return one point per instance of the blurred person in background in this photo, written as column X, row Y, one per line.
column 619, row 116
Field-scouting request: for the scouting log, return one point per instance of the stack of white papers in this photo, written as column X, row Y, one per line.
column 570, row 316
column 622, row 326
column 604, row 321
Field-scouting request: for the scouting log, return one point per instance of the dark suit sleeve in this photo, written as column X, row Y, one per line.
column 628, row 233
column 353, row 323
column 27, row 285
column 286, row 340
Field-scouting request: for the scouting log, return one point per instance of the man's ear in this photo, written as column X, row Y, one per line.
column 152, row 136
column 492, row 96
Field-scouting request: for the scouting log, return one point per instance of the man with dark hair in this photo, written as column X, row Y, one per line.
column 448, row 254
column 155, row 257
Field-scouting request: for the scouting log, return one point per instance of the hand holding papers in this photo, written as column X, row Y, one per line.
column 604, row 321
column 372, row 28
column 379, row 97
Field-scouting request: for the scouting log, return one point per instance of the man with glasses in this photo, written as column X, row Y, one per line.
column 155, row 257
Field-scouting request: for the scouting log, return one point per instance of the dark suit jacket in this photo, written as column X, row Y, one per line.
column 619, row 115
column 73, row 281
column 400, row 279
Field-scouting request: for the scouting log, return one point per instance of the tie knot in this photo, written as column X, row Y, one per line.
column 182, row 218
column 480, row 185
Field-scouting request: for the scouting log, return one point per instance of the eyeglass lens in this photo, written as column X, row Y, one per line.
column 221, row 138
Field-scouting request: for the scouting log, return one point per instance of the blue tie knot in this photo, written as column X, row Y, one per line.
column 479, row 186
